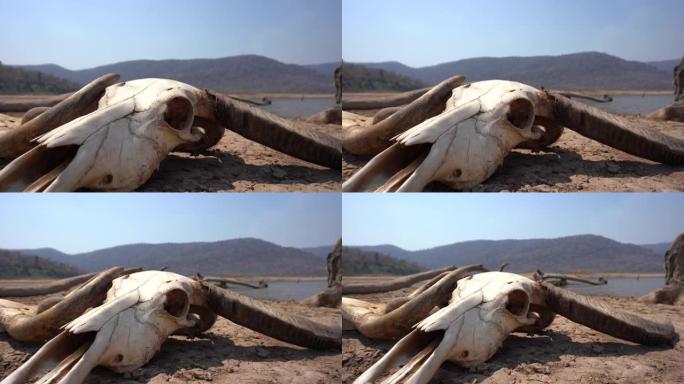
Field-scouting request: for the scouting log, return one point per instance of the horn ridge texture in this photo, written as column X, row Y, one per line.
column 632, row 134
column 259, row 316
column 596, row 314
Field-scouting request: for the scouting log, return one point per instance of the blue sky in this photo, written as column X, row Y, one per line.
column 418, row 221
column 78, row 222
column 80, row 34
column 428, row 32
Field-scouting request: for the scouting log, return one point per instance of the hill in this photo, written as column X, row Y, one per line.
column 18, row 265
column 588, row 253
column 665, row 65
column 17, row 81
column 356, row 78
column 321, row 251
column 327, row 69
column 588, row 70
column 245, row 256
column 245, row 73
column 356, row 261
column 658, row 248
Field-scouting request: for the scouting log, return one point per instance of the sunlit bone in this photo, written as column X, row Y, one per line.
column 478, row 127
column 118, row 146
column 139, row 312
column 483, row 310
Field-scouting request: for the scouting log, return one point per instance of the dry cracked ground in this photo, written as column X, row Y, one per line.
column 566, row 353
column 235, row 164
column 573, row 164
column 226, row 354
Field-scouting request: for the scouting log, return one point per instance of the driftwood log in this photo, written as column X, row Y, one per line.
column 46, row 288
column 674, row 111
column 338, row 85
column 562, row 280
column 331, row 296
column 671, row 293
column 223, row 282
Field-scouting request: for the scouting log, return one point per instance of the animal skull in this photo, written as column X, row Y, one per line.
column 478, row 127
column 465, row 144
column 119, row 145
column 483, row 310
column 139, row 312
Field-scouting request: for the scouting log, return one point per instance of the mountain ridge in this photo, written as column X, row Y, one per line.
column 583, row 70
column 241, row 73
column 241, row 256
column 590, row 253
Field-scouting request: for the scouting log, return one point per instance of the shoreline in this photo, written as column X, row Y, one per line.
column 589, row 92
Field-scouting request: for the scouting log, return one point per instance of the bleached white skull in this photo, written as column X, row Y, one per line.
column 484, row 309
column 464, row 145
column 119, row 145
column 126, row 329
column 141, row 310
column 478, row 127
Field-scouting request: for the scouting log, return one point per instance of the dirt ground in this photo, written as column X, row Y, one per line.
column 227, row 354
column 565, row 353
column 574, row 163
column 235, row 164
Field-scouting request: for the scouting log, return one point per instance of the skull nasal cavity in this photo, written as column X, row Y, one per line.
column 521, row 113
column 518, row 302
column 176, row 302
column 178, row 113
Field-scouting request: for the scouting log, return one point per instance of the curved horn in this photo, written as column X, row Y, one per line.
column 259, row 316
column 293, row 138
column 393, row 285
column 25, row 326
column 396, row 319
column 374, row 139
column 16, row 141
column 387, row 101
column 595, row 314
column 632, row 134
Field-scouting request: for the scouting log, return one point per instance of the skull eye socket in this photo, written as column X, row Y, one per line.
column 179, row 114
column 521, row 113
column 176, row 303
column 518, row 302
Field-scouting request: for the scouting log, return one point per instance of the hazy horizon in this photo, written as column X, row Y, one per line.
column 167, row 59
column 170, row 242
column 420, row 221
column 81, row 34
column 431, row 32
column 505, row 57
column 518, row 239
column 77, row 222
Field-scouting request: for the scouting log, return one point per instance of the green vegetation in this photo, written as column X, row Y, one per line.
column 359, row 78
column 358, row 262
column 16, row 265
column 20, row 81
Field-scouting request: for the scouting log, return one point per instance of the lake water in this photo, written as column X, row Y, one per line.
column 633, row 103
column 284, row 290
column 621, row 287
column 617, row 287
column 299, row 107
